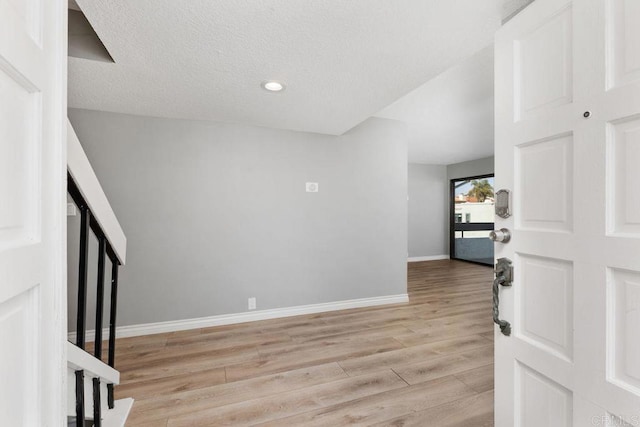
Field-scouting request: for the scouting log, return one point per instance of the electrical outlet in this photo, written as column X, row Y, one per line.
column 252, row 303
column 71, row 209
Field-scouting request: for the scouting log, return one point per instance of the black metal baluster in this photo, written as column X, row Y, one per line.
column 97, row 416
column 88, row 223
column 112, row 324
column 82, row 276
column 80, row 398
column 100, row 296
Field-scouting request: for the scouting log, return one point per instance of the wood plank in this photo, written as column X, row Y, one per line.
column 368, row 326
column 362, row 336
column 179, row 364
column 318, row 355
column 444, row 333
column 479, row 379
column 476, row 411
column 446, row 365
column 411, row 355
column 172, row 355
column 227, row 339
column 170, row 385
column 382, row 406
column 286, row 404
column 225, row 394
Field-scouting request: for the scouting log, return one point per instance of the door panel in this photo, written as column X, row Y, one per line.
column 571, row 155
column 623, row 40
column 544, row 175
column 623, row 298
column 543, row 66
column 27, row 14
column 32, row 189
column 541, row 401
column 624, row 158
column 18, row 330
column 20, row 118
column 545, row 304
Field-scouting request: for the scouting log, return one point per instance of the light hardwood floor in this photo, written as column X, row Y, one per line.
column 425, row 363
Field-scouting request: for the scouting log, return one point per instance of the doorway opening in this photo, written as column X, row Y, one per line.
column 471, row 219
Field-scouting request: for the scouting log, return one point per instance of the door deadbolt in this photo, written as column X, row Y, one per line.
column 503, row 235
column 502, row 203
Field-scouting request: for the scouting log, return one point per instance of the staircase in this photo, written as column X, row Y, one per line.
column 91, row 378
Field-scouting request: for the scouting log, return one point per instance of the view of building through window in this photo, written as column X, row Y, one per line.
column 472, row 214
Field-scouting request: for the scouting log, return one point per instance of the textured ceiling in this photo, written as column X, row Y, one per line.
column 450, row 118
column 342, row 61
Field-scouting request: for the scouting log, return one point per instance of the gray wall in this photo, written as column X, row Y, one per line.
column 484, row 166
column 428, row 208
column 471, row 168
column 216, row 213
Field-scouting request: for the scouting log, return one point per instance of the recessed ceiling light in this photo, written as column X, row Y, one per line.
column 273, row 86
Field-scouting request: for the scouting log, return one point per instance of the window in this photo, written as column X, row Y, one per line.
column 472, row 200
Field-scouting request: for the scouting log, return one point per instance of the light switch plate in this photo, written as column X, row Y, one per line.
column 312, row 187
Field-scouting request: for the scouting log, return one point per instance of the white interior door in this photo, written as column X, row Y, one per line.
column 568, row 146
column 32, row 201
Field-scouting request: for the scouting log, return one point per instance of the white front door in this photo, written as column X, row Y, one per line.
column 568, row 146
column 32, row 222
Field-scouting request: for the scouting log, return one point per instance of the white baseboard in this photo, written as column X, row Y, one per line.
column 250, row 316
column 427, row 258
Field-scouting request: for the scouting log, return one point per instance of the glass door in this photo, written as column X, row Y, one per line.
column 472, row 214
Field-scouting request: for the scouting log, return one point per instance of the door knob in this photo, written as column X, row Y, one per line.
column 503, row 235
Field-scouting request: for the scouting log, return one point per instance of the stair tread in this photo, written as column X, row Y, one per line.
column 117, row 416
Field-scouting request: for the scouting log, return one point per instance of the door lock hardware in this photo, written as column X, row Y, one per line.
column 503, row 235
column 504, row 277
column 502, row 203
column 504, row 268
